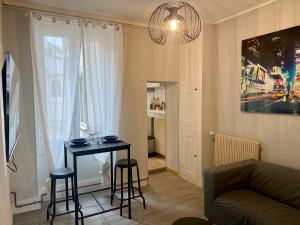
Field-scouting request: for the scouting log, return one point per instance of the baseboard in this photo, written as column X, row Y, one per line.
column 158, row 170
column 156, row 154
column 84, row 186
column 27, row 208
column 174, row 172
column 162, row 170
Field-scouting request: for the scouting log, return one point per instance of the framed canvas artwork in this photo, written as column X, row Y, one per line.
column 270, row 73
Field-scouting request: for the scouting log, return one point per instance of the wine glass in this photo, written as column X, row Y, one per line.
column 92, row 136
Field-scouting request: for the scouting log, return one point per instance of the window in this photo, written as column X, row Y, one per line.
column 54, row 55
column 54, row 69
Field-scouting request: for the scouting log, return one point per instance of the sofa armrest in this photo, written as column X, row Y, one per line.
column 226, row 178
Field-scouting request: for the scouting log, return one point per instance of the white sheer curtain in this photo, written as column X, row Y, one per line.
column 56, row 52
column 103, row 54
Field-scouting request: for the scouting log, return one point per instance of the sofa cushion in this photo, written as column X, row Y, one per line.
column 246, row 207
column 278, row 182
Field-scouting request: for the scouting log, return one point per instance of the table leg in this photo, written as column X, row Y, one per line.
column 65, row 157
column 76, row 190
column 111, row 179
column 129, row 183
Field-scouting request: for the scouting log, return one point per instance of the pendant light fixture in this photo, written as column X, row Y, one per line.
column 174, row 22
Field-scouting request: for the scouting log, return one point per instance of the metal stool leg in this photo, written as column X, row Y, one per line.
column 51, row 196
column 67, row 194
column 81, row 214
column 122, row 197
column 132, row 184
column 114, row 184
column 53, row 201
column 73, row 197
column 115, row 180
column 72, row 183
column 139, row 183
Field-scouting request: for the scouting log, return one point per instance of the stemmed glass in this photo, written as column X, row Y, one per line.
column 93, row 136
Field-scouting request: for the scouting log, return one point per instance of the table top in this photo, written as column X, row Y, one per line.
column 98, row 147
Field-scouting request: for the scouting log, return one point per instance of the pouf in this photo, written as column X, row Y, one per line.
column 191, row 221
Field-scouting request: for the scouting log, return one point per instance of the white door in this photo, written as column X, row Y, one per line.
column 190, row 144
column 190, row 115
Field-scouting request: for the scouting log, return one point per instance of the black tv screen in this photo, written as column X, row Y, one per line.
column 11, row 104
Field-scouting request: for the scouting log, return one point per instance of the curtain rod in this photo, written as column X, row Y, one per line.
column 72, row 15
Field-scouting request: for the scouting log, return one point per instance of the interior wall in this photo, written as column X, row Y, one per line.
column 279, row 134
column 210, row 92
column 172, row 126
column 5, row 209
column 160, row 136
column 144, row 61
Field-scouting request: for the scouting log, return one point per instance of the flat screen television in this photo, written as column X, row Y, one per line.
column 11, row 104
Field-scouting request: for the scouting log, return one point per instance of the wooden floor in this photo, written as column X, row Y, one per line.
column 156, row 162
column 168, row 198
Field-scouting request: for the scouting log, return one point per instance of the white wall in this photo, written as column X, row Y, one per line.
column 279, row 134
column 160, row 136
column 210, row 92
column 5, row 210
column 172, row 126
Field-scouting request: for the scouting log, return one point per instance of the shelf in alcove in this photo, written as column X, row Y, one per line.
column 158, row 114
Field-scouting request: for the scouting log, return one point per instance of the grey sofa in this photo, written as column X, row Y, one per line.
column 252, row 192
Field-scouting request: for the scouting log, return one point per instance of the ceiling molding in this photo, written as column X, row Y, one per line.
column 246, row 11
column 77, row 14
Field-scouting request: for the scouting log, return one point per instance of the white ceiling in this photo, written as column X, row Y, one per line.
column 140, row 10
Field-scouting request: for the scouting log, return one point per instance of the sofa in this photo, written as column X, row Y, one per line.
column 252, row 192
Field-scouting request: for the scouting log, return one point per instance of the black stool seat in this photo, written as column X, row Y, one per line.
column 191, row 221
column 62, row 173
column 123, row 163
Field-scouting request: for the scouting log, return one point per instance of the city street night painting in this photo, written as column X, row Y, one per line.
column 270, row 75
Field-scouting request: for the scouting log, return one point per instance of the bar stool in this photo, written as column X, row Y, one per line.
column 63, row 173
column 123, row 164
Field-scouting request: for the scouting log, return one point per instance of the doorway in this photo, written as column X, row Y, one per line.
column 162, row 117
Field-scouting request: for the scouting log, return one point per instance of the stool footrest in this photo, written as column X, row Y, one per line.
column 119, row 189
column 126, row 199
column 62, row 214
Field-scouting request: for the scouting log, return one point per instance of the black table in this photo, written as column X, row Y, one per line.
column 96, row 148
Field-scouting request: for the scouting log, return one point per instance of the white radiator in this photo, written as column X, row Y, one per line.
column 230, row 149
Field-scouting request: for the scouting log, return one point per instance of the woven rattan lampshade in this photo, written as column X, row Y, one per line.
column 174, row 23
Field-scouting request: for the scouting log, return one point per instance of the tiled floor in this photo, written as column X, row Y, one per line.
column 156, row 162
column 168, row 197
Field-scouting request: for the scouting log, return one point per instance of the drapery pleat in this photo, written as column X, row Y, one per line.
column 103, row 54
column 55, row 47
